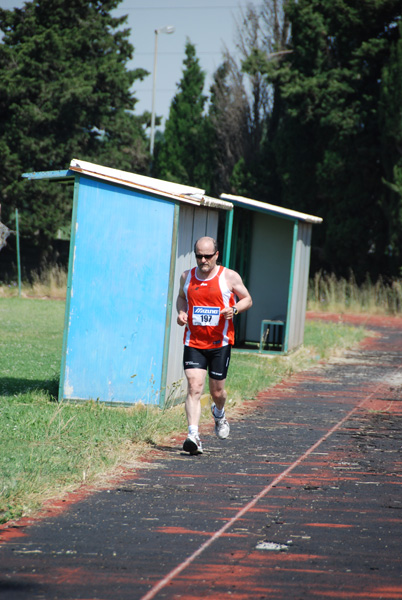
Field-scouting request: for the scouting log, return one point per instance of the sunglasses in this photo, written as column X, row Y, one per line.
column 206, row 256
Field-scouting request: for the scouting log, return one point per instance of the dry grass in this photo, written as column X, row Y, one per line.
column 328, row 293
column 50, row 282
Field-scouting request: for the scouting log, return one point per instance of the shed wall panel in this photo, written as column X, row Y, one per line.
column 118, row 298
column 269, row 271
column 300, row 286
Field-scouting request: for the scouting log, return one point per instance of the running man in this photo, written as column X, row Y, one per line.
column 209, row 297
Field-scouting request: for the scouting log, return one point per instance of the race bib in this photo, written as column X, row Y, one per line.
column 206, row 315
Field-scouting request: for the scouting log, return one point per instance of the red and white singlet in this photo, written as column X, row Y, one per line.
column 206, row 329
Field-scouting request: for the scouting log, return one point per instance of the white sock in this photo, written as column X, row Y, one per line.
column 219, row 413
column 193, row 430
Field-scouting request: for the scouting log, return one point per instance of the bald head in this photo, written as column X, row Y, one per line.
column 209, row 241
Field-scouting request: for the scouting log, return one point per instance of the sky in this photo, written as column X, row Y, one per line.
column 209, row 24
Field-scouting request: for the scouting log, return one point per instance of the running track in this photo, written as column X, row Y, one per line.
column 302, row 501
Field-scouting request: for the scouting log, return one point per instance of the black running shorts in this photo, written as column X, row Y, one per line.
column 216, row 361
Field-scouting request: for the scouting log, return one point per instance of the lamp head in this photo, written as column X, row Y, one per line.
column 165, row 29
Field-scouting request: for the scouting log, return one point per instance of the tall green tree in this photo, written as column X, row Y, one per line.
column 228, row 119
column 183, row 154
column 237, row 112
column 262, row 37
column 65, row 92
column 326, row 146
column 391, row 137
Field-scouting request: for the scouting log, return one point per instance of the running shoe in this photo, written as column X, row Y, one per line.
column 192, row 445
column 222, row 427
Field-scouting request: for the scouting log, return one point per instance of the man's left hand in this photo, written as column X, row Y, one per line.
column 227, row 312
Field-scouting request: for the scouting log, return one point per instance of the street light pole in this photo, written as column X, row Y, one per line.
column 166, row 29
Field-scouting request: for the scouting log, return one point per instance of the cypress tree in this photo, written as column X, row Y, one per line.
column 182, row 155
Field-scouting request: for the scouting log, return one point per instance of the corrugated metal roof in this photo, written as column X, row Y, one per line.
column 270, row 208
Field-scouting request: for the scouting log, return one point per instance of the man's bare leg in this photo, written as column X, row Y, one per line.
column 218, row 392
column 195, row 387
column 219, row 395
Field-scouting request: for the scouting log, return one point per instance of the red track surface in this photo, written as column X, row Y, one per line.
column 302, row 501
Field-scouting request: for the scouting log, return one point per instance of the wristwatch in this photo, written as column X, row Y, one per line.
column 235, row 311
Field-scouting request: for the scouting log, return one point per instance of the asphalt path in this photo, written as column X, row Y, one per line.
column 303, row 500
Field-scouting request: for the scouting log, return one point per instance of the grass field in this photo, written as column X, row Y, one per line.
column 48, row 448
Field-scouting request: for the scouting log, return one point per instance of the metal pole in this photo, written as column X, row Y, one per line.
column 153, row 95
column 18, row 251
column 227, row 244
column 166, row 29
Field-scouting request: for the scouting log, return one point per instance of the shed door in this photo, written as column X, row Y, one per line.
column 270, row 266
column 116, row 310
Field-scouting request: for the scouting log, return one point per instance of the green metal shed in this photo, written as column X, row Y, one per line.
column 270, row 247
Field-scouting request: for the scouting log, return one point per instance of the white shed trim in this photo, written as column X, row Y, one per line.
column 271, row 208
column 168, row 189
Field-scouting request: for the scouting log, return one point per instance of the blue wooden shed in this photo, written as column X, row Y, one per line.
column 270, row 246
column 131, row 237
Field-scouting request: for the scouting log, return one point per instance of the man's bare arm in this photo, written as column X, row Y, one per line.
column 181, row 302
column 236, row 285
